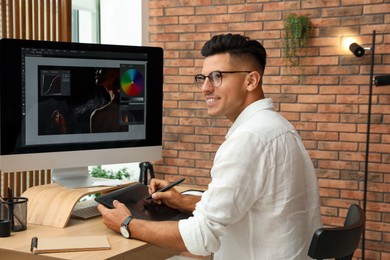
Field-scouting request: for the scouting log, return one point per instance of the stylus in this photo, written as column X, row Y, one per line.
column 168, row 187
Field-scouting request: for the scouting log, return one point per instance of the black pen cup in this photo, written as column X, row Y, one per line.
column 15, row 211
column 5, row 228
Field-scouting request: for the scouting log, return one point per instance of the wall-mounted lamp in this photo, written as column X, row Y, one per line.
column 356, row 49
column 359, row 51
column 381, row 80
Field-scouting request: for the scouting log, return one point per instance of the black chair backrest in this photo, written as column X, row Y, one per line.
column 341, row 242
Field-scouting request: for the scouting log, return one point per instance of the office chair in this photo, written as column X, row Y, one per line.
column 340, row 242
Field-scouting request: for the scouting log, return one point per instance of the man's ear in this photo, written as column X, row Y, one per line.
column 254, row 79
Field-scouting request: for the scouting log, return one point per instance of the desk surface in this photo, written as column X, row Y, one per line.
column 17, row 246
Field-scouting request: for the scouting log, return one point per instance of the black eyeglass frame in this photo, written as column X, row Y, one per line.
column 203, row 77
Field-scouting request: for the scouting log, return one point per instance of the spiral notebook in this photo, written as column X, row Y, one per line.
column 69, row 244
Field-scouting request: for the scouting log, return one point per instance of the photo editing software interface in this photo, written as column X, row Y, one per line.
column 82, row 96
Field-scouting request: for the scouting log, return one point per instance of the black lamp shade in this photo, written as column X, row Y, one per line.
column 356, row 49
column 382, row 80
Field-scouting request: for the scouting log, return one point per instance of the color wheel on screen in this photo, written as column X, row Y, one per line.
column 132, row 82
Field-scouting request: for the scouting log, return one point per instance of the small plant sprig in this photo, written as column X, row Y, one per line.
column 297, row 33
column 100, row 172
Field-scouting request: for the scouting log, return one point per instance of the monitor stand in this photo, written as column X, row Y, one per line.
column 52, row 205
column 77, row 177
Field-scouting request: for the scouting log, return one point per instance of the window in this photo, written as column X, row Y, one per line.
column 85, row 21
column 110, row 22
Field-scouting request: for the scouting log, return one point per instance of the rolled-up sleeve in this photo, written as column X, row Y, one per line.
column 198, row 239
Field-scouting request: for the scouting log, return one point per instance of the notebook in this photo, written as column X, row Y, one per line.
column 69, row 244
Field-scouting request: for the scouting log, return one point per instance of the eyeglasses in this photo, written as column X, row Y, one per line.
column 215, row 77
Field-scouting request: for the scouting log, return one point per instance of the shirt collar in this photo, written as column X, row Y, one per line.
column 249, row 111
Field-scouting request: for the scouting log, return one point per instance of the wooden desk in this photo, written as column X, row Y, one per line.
column 17, row 246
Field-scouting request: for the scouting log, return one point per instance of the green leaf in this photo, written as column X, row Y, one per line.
column 297, row 34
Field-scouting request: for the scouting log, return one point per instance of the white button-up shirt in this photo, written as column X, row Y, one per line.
column 263, row 200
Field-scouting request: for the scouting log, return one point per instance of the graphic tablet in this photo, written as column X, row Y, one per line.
column 133, row 197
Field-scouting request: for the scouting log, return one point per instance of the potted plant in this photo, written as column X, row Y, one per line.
column 297, row 33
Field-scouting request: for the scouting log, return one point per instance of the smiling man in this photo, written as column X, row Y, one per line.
column 262, row 201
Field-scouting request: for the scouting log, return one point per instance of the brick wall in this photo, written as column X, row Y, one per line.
column 328, row 105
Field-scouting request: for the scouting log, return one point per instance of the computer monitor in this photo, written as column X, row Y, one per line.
column 67, row 106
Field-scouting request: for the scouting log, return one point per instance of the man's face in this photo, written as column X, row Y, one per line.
column 229, row 99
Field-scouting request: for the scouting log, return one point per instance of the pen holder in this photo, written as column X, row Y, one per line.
column 5, row 228
column 16, row 212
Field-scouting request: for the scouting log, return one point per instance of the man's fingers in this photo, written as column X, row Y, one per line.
column 119, row 205
column 102, row 208
column 115, row 203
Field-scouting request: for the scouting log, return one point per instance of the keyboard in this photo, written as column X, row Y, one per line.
column 85, row 210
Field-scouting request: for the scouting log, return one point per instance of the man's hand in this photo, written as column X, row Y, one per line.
column 113, row 218
column 171, row 197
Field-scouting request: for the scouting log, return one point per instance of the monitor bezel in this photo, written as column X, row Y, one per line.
column 11, row 99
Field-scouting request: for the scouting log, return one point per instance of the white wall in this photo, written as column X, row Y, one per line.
column 124, row 22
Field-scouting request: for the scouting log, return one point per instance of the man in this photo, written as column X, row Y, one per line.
column 263, row 201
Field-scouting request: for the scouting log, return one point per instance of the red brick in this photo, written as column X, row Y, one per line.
column 320, row 4
column 324, row 136
column 245, row 8
column 195, row 139
column 337, row 127
column 339, row 90
column 338, row 146
column 164, row 20
column 316, row 99
column 179, row 10
column 179, row 146
column 329, row 192
column 193, row 155
column 299, row 107
column 338, row 108
column 323, row 155
column 211, row 10
column 339, row 165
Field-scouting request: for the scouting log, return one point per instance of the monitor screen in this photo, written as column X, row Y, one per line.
column 66, row 106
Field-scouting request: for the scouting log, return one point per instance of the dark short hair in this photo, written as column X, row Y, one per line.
column 237, row 46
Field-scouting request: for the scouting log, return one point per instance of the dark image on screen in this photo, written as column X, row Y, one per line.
column 74, row 100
